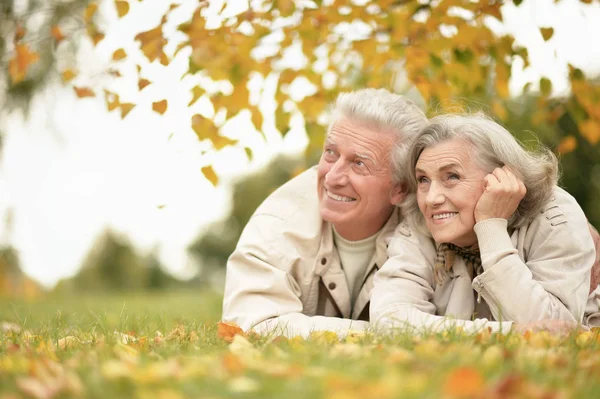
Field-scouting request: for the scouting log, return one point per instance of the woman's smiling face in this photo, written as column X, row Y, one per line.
column 450, row 183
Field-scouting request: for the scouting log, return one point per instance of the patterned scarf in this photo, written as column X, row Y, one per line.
column 446, row 254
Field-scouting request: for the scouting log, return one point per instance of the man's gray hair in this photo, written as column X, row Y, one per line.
column 492, row 147
column 382, row 110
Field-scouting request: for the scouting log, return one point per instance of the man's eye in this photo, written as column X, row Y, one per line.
column 360, row 163
column 329, row 151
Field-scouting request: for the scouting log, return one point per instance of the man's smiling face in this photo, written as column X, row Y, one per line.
column 355, row 186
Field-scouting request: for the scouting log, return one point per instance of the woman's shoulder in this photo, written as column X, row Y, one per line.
column 408, row 236
column 561, row 212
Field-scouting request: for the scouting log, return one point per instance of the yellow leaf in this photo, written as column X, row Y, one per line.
column 122, row 7
column 212, row 177
column 126, row 108
column 83, row 92
column 197, row 92
column 547, row 33
column 68, row 75
column 119, row 54
column 282, row 120
column 567, row 144
column 94, row 33
column 152, row 43
column 464, row 382
column 499, row 110
column 112, row 100
column 19, row 64
column 57, row 34
column 160, row 106
column 590, row 129
column 545, row 86
column 257, row 118
column 89, row 12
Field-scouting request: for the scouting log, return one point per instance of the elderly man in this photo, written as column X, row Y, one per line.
column 306, row 259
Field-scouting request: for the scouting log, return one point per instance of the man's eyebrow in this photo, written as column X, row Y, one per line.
column 365, row 156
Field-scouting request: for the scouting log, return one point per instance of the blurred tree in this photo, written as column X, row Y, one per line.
column 113, row 265
column 13, row 282
column 213, row 247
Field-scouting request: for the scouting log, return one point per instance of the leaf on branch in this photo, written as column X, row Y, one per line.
column 19, row 32
column 20, row 63
column 57, row 34
column 152, row 43
column 197, row 92
column 282, row 121
column 122, row 7
column 67, row 75
column 545, row 86
column 547, row 33
column 566, row 145
column 249, row 153
column 94, row 33
column 143, row 83
column 119, row 54
column 112, row 100
column 212, row 177
column 83, row 92
column 125, row 109
column 89, row 12
column 590, row 129
column 160, row 106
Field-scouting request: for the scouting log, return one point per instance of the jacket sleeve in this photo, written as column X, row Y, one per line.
column 402, row 296
column 260, row 292
column 553, row 281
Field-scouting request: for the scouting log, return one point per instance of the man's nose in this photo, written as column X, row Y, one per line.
column 435, row 195
column 337, row 175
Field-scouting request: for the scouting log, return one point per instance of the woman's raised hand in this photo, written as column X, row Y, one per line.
column 503, row 191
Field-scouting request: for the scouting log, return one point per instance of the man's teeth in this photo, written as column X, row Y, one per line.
column 339, row 197
column 445, row 215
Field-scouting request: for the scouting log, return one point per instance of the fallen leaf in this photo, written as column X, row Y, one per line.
column 464, row 382
column 225, row 331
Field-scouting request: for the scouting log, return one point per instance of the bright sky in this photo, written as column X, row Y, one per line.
column 72, row 168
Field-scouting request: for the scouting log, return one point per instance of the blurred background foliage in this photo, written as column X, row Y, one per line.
column 442, row 53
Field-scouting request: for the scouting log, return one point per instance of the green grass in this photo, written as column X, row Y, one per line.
column 73, row 347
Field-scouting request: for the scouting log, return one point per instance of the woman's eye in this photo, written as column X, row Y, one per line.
column 453, row 176
column 422, row 179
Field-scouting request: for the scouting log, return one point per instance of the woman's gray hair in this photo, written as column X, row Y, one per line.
column 493, row 147
column 382, row 110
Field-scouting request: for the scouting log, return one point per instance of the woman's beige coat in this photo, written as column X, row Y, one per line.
column 285, row 273
column 538, row 271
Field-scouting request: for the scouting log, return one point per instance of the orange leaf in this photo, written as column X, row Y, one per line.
column 83, row 92
column 567, row 144
column 119, row 55
column 225, row 331
column 122, row 7
column 547, row 33
column 126, row 108
column 464, row 382
column 112, row 100
column 57, row 34
column 160, row 106
column 68, row 75
column 143, row 83
column 20, row 63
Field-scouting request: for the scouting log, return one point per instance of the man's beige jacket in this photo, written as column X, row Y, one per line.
column 285, row 273
column 538, row 271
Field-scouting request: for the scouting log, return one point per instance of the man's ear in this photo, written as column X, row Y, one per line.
column 398, row 194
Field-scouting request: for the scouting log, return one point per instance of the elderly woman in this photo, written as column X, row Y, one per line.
column 488, row 238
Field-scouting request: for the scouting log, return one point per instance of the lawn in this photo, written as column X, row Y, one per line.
column 170, row 345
